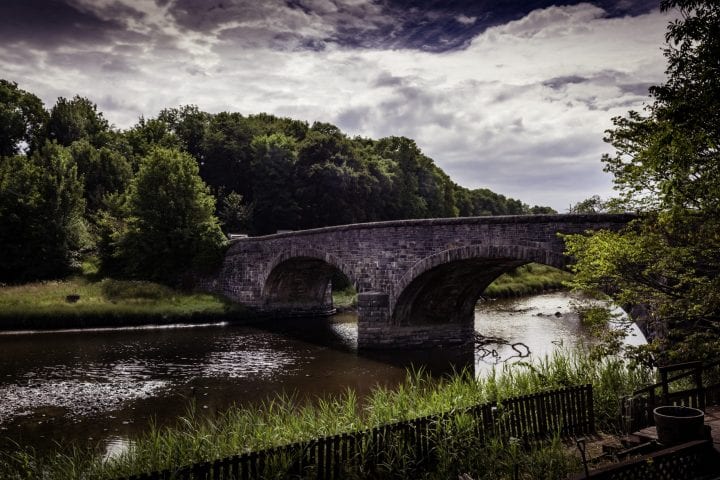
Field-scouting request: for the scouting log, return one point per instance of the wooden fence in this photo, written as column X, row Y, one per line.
column 637, row 409
column 682, row 462
column 566, row 412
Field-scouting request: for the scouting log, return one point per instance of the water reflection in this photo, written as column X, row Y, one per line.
column 542, row 323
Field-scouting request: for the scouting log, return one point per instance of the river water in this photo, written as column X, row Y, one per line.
column 101, row 387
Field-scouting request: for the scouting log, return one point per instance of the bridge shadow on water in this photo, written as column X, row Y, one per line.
column 339, row 332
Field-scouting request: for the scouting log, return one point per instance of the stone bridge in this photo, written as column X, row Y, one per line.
column 417, row 280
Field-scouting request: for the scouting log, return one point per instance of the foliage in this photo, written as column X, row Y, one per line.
column 593, row 204
column 234, row 214
column 667, row 163
column 225, row 158
column 146, row 135
column 170, row 226
column 609, row 328
column 22, row 119
column 104, row 172
column 274, row 204
column 77, row 119
column 41, row 214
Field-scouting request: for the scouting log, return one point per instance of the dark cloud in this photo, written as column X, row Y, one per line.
column 354, row 119
column 386, row 79
column 641, row 88
column 558, row 83
column 444, row 25
column 428, row 25
column 47, row 24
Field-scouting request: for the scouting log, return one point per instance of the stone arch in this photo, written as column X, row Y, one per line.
column 298, row 280
column 444, row 287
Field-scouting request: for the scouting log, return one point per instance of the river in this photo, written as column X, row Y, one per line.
column 103, row 386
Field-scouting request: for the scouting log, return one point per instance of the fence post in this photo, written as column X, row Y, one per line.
column 591, row 408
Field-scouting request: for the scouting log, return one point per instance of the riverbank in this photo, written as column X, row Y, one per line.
column 529, row 279
column 82, row 302
column 285, row 419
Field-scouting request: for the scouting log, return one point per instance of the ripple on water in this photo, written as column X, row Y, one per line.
column 240, row 357
column 76, row 397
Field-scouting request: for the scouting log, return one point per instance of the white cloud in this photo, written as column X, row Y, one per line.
column 465, row 20
column 521, row 110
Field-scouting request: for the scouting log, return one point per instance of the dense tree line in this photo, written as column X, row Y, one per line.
column 667, row 165
column 151, row 200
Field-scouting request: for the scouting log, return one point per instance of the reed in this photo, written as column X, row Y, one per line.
column 284, row 419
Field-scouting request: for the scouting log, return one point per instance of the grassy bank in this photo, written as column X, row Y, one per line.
column 284, row 420
column 345, row 299
column 84, row 302
column 527, row 280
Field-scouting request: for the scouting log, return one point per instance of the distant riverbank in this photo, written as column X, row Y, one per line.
column 81, row 302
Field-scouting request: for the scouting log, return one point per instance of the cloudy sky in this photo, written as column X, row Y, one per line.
column 511, row 95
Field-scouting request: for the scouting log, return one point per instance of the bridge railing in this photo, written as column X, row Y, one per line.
column 563, row 412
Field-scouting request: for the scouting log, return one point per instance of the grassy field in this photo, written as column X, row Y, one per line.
column 82, row 301
column 284, row 420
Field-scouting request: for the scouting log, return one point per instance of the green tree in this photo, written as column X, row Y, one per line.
column 22, row 118
column 225, row 158
column 667, row 163
column 41, row 215
column 77, row 119
column 273, row 162
column 234, row 213
column 171, row 229
column 404, row 154
column 593, row 204
column 104, row 171
column 143, row 137
column 190, row 125
column 541, row 210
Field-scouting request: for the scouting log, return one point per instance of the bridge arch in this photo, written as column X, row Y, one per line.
column 444, row 287
column 298, row 280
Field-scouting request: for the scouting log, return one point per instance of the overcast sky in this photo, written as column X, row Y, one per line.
column 513, row 96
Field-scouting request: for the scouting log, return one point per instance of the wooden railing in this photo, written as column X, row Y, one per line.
column 637, row 409
column 686, row 461
column 566, row 412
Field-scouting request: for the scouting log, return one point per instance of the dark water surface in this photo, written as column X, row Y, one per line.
column 102, row 387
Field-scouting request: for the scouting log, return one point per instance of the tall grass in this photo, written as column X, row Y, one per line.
column 527, row 280
column 284, row 420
